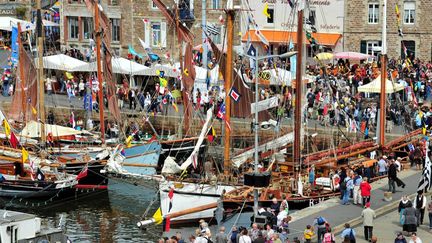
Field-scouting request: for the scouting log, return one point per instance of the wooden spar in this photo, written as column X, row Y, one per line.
column 383, row 100
column 319, row 155
column 185, row 94
column 403, row 138
column 228, row 78
column 139, row 165
column 21, row 71
column 298, row 95
column 41, row 74
column 344, row 156
column 191, row 210
column 99, row 72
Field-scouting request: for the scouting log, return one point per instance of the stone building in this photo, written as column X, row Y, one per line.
column 363, row 26
column 15, row 8
column 135, row 20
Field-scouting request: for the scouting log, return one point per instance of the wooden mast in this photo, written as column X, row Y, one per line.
column 383, row 77
column 298, row 95
column 228, row 78
column 21, row 71
column 99, row 72
column 41, row 74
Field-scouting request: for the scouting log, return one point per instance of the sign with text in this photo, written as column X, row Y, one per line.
column 264, row 104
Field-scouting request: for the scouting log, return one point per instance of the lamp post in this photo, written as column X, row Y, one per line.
column 257, row 58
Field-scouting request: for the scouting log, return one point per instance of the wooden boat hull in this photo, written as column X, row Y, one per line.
column 180, row 150
column 32, row 189
column 187, row 195
column 94, row 179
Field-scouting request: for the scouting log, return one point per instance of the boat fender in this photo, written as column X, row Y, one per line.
column 144, row 223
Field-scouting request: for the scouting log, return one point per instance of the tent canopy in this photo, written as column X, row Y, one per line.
column 169, row 70
column 119, row 64
column 61, row 62
column 32, row 130
column 7, row 23
column 375, row 86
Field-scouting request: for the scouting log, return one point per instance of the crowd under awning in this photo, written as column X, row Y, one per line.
column 283, row 37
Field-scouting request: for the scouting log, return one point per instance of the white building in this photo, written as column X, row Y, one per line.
column 327, row 17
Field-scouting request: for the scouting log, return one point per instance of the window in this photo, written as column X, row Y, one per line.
column 115, row 27
column 215, row 4
column 87, row 27
column 73, row 27
column 270, row 20
column 312, row 16
column 373, row 47
column 153, row 5
column 409, row 12
column 373, row 13
column 408, row 49
column 156, row 35
column 114, row 2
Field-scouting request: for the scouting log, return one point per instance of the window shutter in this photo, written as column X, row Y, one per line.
column 147, row 33
column 363, row 47
column 163, row 34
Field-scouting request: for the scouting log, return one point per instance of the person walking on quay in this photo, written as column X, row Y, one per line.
column 357, row 198
column 320, row 224
column 430, row 215
column 244, row 237
column 392, row 174
column 410, row 215
column 309, row 233
column 382, row 166
column 221, row 237
column 420, row 205
column 365, row 190
column 368, row 215
column 400, row 238
column 348, row 234
column 402, row 205
column 329, row 236
column 415, row 239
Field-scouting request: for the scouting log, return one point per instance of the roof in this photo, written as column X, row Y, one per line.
column 13, row 216
column 283, row 36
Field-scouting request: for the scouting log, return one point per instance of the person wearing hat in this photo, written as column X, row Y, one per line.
column 368, row 215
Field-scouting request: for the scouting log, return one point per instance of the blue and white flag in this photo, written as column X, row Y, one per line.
column 14, row 46
column 293, row 60
column 425, row 180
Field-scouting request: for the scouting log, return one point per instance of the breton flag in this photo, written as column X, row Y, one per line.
column 221, row 115
column 411, row 147
column 425, row 180
column 212, row 29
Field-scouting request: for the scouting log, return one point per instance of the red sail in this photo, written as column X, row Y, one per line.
column 242, row 108
column 24, row 98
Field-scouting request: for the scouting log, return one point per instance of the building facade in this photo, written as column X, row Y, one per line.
column 135, row 20
column 15, row 8
column 363, row 27
column 324, row 17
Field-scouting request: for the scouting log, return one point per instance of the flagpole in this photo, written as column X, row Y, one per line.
column 41, row 74
column 99, row 72
column 298, row 94
column 383, row 77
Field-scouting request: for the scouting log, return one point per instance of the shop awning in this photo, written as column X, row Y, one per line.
column 283, row 36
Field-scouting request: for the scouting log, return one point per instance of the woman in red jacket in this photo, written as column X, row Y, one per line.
column 365, row 189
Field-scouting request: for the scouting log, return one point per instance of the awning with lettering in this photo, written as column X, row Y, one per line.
column 283, row 36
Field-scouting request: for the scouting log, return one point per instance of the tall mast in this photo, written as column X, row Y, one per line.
column 298, row 95
column 383, row 77
column 204, row 28
column 21, row 71
column 99, row 72
column 185, row 95
column 228, row 77
column 41, row 74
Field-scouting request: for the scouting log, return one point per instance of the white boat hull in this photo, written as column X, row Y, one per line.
column 190, row 195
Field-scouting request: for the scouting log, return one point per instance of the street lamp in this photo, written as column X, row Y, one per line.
column 257, row 58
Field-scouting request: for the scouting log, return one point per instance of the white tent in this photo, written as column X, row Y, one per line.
column 375, row 86
column 61, row 62
column 119, row 64
column 169, row 70
column 48, row 23
column 32, row 130
column 6, row 23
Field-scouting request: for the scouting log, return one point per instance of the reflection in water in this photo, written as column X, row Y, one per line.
column 104, row 217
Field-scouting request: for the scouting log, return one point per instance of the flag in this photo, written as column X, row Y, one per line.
column 123, row 152
column 153, row 57
column 14, row 45
column 265, row 10
column 221, row 112
column 25, row 155
column 72, row 120
column 34, row 111
column 69, row 76
column 261, row 37
column 425, row 180
column 157, row 216
column 170, row 196
column 212, row 29
column 234, row 94
column 290, row 2
column 411, row 147
column 211, row 134
column 398, row 20
column 128, row 141
column 175, row 106
column 167, row 227
column 144, row 44
column 13, row 141
column 163, row 82
column 6, row 127
column 83, row 173
column 133, row 52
